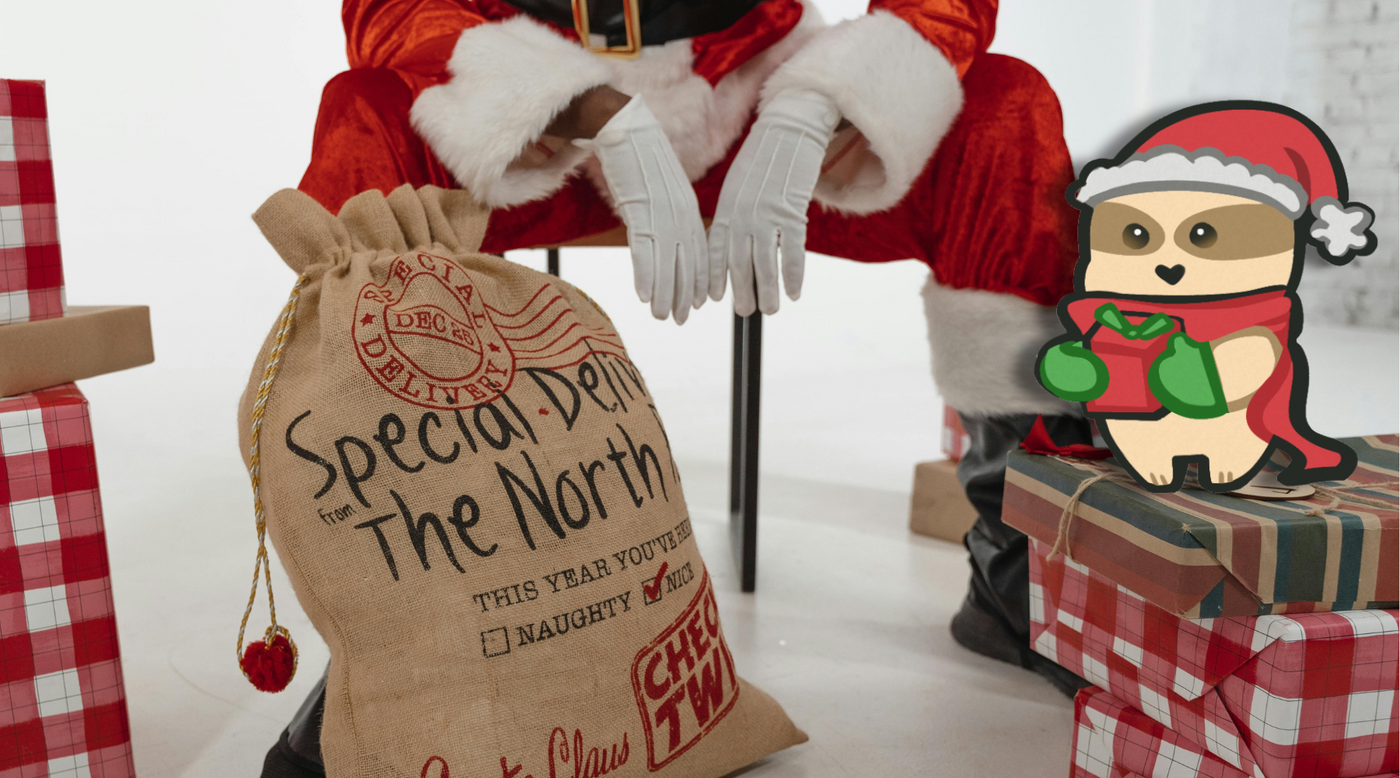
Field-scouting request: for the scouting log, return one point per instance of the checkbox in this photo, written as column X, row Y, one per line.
column 495, row 642
column 647, row 599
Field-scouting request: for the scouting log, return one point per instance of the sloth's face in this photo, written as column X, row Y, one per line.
column 1188, row 244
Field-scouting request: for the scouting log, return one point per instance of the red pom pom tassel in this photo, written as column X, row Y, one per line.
column 269, row 666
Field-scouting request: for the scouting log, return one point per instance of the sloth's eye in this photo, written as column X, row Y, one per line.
column 1203, row 235
column 1135, row 236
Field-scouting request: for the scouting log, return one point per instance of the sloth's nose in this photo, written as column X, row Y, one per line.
column 1171, row 274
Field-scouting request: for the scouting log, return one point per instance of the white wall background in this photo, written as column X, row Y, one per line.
column 172, row 120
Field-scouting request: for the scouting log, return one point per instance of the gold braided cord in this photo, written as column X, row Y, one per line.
column 262, row 566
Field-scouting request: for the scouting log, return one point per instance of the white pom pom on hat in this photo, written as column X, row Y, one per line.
column 1258, row 150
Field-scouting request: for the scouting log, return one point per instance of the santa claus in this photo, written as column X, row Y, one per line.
column 887, row 137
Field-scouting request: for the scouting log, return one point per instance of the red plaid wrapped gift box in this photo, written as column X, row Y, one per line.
column 1308, row 695
column 31, row 270
column 955, row 439
column 62, row 701
column 1114, row 740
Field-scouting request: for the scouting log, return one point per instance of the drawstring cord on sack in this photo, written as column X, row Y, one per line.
column 273, row 654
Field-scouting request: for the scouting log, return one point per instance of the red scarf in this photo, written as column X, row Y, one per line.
column 1270, row 410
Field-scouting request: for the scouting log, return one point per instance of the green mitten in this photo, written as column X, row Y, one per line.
column 1072, row 372
column 1184, row 378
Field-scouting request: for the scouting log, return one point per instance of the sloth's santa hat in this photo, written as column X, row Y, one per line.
column 1262, row 151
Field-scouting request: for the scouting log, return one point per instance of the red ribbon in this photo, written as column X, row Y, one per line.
column 1040, row 442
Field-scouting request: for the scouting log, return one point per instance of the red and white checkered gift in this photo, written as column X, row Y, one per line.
column 955, row 439
column 1115, row 740
column 62, row 701
column 31, row 268
column 1308, row 695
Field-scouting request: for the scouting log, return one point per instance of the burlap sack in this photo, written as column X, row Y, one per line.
column 472, row 493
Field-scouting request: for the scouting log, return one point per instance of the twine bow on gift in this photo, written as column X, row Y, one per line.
column 1340, row 494
column 270, row 663
column 1335, row 494
column 1038, row 441
column 1062, row 539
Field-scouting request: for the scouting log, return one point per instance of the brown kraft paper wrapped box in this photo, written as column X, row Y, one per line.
column 473, row 495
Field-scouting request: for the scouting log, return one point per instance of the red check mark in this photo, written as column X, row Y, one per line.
column 653, row 589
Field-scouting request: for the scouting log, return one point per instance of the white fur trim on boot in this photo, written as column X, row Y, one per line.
column 984, row 347
column 898, row 90
column 509, row 80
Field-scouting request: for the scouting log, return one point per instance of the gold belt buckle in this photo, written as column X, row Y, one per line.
column 632, row 23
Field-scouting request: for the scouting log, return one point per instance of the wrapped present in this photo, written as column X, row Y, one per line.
column 938, row 506
column 91, row 340
column 1309, row 695
column 955, row 438
column 1200, row 554
column 63, row 708
column 1115, row 740
column 31, row 270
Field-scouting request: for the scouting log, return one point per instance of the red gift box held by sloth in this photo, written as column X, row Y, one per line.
column 1184, row 323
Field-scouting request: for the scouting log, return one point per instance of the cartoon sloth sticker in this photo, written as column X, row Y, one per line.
column 1184, row 321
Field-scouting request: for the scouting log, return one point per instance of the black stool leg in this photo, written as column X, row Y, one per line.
column 743, row 452
column 552, row 256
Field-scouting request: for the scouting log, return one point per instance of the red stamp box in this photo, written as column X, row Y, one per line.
column 684, row 681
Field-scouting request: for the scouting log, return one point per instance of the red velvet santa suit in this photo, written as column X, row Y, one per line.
column 956, row 158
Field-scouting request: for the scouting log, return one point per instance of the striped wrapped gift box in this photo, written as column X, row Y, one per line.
column 1199, row 555
column 62, row 700
column 31, row 270
column 1308, row 695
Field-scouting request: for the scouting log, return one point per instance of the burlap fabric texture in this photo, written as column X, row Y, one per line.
column 473, row 495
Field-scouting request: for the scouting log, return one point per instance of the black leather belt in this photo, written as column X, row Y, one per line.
column 662, row 20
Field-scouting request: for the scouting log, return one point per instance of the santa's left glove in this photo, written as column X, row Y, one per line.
column 651, row 193
column 762, row 211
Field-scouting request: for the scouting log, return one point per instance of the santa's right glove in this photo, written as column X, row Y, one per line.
column 651, row 193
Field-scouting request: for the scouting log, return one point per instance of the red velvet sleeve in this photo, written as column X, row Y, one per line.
column 414, row 37
column 961, row 29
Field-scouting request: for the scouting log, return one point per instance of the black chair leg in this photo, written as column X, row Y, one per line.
column 743, row 452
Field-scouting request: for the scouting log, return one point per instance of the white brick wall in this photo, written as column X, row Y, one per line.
column 1344, row 72
column 1118, row 64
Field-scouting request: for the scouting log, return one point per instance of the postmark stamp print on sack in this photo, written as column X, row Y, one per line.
column 426, row 336
column 429, row 336
column 684, row 680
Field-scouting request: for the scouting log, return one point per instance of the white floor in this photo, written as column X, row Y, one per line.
column 171, row 121
column 848, row 628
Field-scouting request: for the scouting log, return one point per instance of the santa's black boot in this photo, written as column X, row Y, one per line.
column 995, row 617
column 298, row 751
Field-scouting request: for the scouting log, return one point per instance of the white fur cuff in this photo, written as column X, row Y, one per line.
column 895, row 86
column 509, row 80
column 984, row 346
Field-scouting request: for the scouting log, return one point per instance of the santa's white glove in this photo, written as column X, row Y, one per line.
column 657, row 203
column 762, row 210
